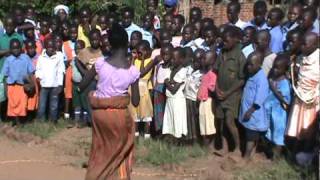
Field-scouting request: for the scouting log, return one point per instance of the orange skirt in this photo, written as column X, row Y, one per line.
column 68, row 83
column 17, row 101
column 33, row 101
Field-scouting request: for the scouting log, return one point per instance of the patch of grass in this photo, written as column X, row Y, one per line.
column 157, row 153
column 280, row 170
column 43, row 130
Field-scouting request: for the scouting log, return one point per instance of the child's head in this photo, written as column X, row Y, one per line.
column 152, row 6
column 112, row 18
column 18, row 14
column 294, row 40
column 30, row 47
column 188, row 33
column 102, row 20
column 275, row 17
column 127, row 16
column 310, row 43
column 75, row 20
column 177, row 24
column 262, row 40
column 168, row 20
column 9, row 25
column 135, row 39
column 233, row 11
column 197, row 29
column 199, row 55
column 65, row 30
column 73, row 33
column 85, row 15
column 254, row 62
column 147, row 20
column 58, row 40
column 259, row 12
column 294, row 12
column 30, row 12
column 80, row 45
column 179, row 56
column 54, row 25
column 207, row 22
column 165, row 36
column 166, row 52
column 208, row 60
column 195, row 14
column 105, row 45
column 144, row 50
column 308, row 17
column 249, row 34
column 170, row 6
column 94, row 38
column 29, row 32
column 189, row 56
column 230, row 37
column 45, row 25
column 280, row 66
column 210, row 35
column 50, row 47
column 15, row 47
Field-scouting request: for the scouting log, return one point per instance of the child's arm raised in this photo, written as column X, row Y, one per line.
column 145, row 70
column 82, row 69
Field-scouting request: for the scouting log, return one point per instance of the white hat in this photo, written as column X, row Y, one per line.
column 59, row 7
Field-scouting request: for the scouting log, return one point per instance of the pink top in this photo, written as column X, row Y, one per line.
column 114, row 81
column 208, row 83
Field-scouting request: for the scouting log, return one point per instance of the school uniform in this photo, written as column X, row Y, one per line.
column 191, row 90
column 16, row 69
column 255, row 93
column 261, row 27
column 247, row 50
column 240, row 24
column 50, row 70
column 5, row 45
column 175, row 114
column 230, row 69
column 276, row 44
column 206, row 116
column 190, row 44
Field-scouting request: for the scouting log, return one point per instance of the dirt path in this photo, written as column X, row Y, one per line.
column 61, row 158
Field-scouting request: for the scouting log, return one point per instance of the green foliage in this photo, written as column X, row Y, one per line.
column 158, row 152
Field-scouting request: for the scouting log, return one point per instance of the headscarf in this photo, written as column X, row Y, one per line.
column 59, row 7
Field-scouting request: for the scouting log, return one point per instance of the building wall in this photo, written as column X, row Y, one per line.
column 218, row 12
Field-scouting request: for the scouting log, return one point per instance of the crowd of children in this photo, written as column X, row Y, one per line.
column 259, row 80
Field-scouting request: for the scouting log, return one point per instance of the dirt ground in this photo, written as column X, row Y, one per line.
column 61, row 158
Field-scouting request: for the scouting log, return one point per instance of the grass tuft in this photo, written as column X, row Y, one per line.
column 43, row 130
column 155, row 152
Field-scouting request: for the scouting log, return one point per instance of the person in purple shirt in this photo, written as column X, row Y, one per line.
column 252, row 112
column 275, row 17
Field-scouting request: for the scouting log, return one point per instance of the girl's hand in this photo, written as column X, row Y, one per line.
column 248, row 114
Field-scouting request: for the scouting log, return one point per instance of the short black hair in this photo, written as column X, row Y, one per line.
column 197, row 9
column 260, row 5
column 180, row 18
column 182, row 52
column 264, row 31
column 85, row 8
column 296, row 30
column 284, row 58
column 236, row 4
column 15, row 40
column 312, row 11
column 279, row 12
column 189, row 26
column 165, row 31
column 213, row 29
column 233, row 32
column 145, row 45
column 128, row 9
column 167, row 45
column 27, row 41
column 252, row 28
column 137, row 33
column 258, row 54
column 118, row 37
column 94, row 31
column 207, row 20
